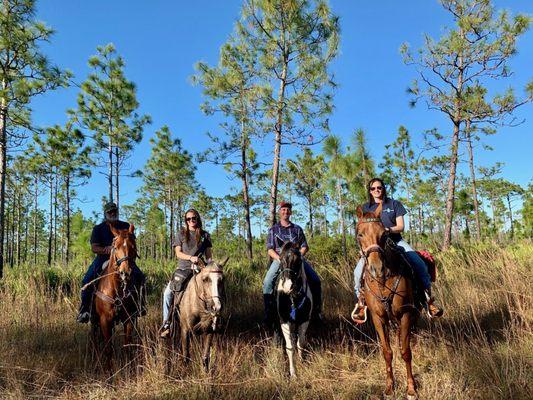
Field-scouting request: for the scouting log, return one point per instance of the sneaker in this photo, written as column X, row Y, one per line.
column 83, row 317
column 359, row 313
column 164, row 331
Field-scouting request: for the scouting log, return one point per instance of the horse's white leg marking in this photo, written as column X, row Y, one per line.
column 214, row 292
column 289, row 346
column 302, row 339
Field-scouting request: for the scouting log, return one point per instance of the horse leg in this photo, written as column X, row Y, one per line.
column 106, row 327
column 405, row 346
column 128, row 330
column 289, row 347
column 185, row 336
column 383, row 333
column 208, row 339
column 302, row 339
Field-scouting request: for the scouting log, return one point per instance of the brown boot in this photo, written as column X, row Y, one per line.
column 359, row 313
column 434, row 310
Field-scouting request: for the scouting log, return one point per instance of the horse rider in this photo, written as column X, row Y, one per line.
column 392, row 217
column 280, row 233
column 191, row 243
column 101, row 245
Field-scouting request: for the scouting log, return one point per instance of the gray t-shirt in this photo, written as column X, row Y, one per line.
column 190, row 247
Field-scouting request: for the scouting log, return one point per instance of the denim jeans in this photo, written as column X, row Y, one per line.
column 168, row 297
column 312, row 278
column 419, row 266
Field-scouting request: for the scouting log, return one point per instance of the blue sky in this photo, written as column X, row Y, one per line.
column 162, row 40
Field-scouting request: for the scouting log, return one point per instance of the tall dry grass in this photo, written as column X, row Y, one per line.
column 481, row 349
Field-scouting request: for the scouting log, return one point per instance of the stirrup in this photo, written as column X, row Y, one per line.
column 164, row 331
column 356, row 313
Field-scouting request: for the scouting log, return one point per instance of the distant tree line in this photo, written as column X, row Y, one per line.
column 273, row 92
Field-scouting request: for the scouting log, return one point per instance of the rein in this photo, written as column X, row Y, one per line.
column 118, row 300
column 376, row 248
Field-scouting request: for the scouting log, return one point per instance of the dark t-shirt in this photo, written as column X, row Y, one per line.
column 278, row 235
column 390, row 210
column 102, row 235
column 191, row 247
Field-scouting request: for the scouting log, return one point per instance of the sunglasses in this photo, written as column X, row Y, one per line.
column 376, row 188
column 188, row 219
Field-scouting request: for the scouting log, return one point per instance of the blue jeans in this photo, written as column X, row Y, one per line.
column 94, row 271
column 312, row 278
column 168, row 298
column 419, row 266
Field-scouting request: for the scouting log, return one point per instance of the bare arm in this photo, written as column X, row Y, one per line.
column 399, row 225
column 101, row 250
column 304, row 250
column 272, row 253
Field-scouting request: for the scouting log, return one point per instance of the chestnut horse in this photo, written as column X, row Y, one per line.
column 388, row 294
column 199, row 308
column 115, row 299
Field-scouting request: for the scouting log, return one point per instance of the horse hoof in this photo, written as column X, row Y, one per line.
column 412, row 396
column 387, row 396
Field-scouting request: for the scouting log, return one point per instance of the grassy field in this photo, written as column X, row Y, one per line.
column 481, row 349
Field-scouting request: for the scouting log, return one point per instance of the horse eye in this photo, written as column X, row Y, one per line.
column 206, row 279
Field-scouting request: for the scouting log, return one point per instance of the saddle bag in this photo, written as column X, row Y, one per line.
column 430, row 262
column 179, row 280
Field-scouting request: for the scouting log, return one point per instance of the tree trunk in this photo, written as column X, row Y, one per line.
column 110, row 167
column 341, row 220
column 50, row 222
column 3, row 172
column 67, row 249
column 19, row 229
column 451, row 187
column 473, row 179
column 35, row 209
column 510, row 214
column 55, row 219
column 277, row 144
column 310, row 206
column 171, row 224
column 245, row 194
column 117, row 171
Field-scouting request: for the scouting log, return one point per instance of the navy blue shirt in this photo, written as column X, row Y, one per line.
column 278, row 235
column 390, row 210
column 102, row 235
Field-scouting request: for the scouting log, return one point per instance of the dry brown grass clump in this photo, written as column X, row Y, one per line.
column 482, row 349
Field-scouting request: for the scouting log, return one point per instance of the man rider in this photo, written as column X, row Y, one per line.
column 101, row 245
column 286, row 231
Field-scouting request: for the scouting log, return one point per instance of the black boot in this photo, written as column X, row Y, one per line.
column 270, row 312
column 84, row 315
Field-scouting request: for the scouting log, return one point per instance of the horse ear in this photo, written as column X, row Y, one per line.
column 286, row 245
column 359, row 212
column 378, row 210
column 223, row 263
column 131, row 229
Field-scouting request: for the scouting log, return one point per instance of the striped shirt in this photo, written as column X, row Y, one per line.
column 278, row 235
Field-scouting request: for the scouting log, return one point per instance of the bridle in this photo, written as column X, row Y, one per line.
column 376, row 248
column 201, row 296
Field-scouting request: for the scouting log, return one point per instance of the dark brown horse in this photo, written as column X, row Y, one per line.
column 388, row 295
column 115, row 297
column 200, row 308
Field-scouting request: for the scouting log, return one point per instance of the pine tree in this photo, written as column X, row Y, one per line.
column 24, row 73
column 107, row 106
column 452, row 71
column 296, row 41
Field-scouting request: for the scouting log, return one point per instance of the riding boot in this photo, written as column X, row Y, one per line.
column 359, row 313
column 269, row 317
column 316, row 313
column 84, row 314
column 434, row 310
column 142, row 300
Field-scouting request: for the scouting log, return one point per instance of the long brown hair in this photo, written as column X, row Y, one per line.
column 198, row 231
column 384, row 191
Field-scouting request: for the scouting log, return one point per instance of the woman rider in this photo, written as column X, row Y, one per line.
column 392, row 217
column 191, row 242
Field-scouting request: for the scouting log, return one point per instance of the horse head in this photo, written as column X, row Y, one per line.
column 371, row 237
column 124, row 251
column 291, row 268
column 211, row 278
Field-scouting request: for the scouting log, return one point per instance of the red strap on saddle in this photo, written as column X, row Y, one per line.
column 430, row 262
